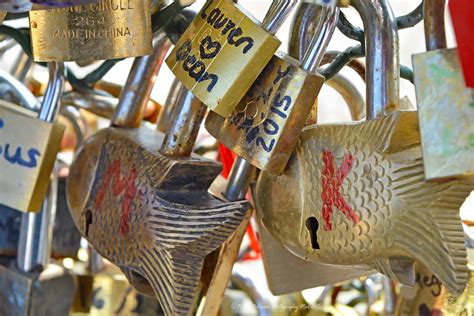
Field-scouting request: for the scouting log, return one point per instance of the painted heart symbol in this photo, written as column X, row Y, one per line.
column 209, row 49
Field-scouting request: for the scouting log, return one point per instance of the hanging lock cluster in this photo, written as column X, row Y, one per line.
column 375, row 201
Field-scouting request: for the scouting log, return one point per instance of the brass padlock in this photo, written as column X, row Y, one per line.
column 28, row 150
column 264, row 126
column 147, row 209
column 445, row 104
column 107, row 29
column 224, row 50
column 356, row 191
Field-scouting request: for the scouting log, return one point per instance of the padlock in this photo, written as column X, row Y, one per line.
column 11, row 218
column 430, row 297
column 445, row 104
column 147, row 209
column 356, row 192
column 66, row 238
column 265, row 124
column 28, row 150
column 285, row 272
column 224, row 50
column 107, row 29
column 32, row 286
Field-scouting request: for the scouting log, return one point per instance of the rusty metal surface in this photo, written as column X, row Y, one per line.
column 184, row 126
column 136, row 93
column 357, row 194
column 433, row 14
column 150, row 212
column 159, row 224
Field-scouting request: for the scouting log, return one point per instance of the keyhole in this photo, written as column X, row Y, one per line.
column 88, row 219
column 312, row 225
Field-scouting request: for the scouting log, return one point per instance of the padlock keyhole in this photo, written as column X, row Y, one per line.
column 88, row 220
column 312, row 225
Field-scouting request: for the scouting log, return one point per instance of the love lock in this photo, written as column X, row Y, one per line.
column 141, row 200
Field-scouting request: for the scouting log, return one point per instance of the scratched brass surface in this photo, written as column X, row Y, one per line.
column 264, row 126
column 148, row 213
column 221, row 54
column 28, row 149
column 446, row 114
column 355, row 195
column 105, row 30
column 429, row 297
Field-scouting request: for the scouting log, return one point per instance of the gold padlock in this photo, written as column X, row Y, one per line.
column 356, row 191
column 265, row 124
column 28, row 149
column 445, row 104
column 224, row 50
column 108, row 29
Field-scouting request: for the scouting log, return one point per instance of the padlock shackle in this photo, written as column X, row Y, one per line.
column 433, row 14
column 185, row 123
column 141, row 80
column 382, row 59
column 19, row 90
column 322, row 35
column 277, row 14
column 100, row 105
column 164, row 119
column 240, row 176
column 303, row 25
column 36, row 233
column 52, row 97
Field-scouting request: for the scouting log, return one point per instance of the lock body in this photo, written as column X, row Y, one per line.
column 357, row 197
column 103, row 30
column 264, row 127
column 221, row 54
column 28, row 152
column 446, row 115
